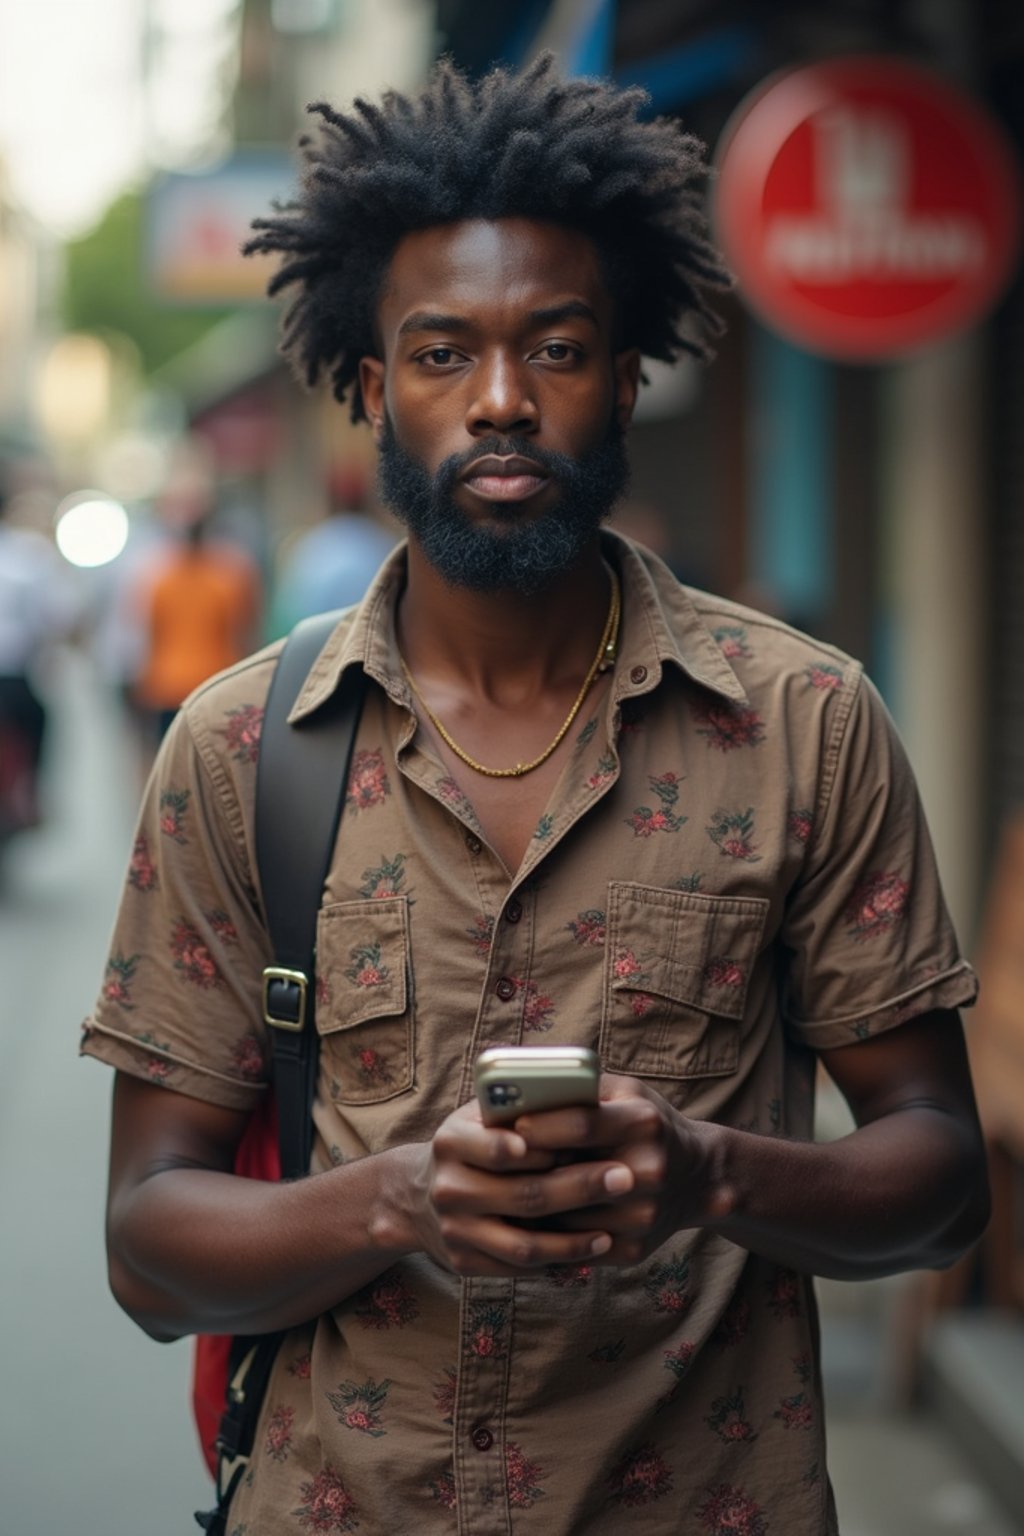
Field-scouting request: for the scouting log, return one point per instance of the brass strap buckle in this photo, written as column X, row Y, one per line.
column 284, row 997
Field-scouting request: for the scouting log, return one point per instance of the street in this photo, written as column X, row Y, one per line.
column 95, row 1433
column 94, row 1425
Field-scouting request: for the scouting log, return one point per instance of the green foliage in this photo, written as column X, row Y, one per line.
column 106, row 289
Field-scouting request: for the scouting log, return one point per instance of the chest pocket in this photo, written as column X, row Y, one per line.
column 364, row 1012
column 677, row 972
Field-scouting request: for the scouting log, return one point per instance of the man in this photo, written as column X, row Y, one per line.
column 587, row 806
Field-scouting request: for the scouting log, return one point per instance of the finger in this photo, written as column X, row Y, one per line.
column 463, row 1140
column 613, row 1122
column 520, row 1248
column 459, row 1191
column 630, row 1218
column 572, row 1187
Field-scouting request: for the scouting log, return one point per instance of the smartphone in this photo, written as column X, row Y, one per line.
column 513, row 1080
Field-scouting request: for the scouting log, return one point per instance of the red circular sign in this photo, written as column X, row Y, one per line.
column 865, row 207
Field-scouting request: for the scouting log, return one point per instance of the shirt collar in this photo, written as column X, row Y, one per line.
column 661, row 623
column 364, row 636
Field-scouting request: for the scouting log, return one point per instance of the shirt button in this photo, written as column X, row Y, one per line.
column 506, row 988
column 483, row 1439
column 638, row 675
column 473, row 843
column 514, row 911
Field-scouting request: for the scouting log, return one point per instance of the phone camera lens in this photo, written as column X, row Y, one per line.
column 503, row 1093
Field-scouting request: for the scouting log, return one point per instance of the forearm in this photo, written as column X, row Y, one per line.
column 906, row 1191
column 196, row 1251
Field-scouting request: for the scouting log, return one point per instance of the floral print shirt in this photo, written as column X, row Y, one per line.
column 733, row 874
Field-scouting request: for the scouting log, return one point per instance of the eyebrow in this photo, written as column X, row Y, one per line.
column 429, row 320
column 572, row 309
column 423, row 320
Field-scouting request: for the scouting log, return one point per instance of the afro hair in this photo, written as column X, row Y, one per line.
column 527, row 145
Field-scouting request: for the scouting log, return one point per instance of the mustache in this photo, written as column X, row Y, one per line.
column 558, row 465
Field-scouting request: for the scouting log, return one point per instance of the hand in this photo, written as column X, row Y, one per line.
column 473, row 1187
column 667, row 1157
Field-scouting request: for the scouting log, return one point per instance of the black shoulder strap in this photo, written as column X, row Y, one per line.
column 300, row 791
column 301, row 778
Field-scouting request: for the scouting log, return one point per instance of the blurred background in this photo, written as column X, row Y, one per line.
column 853, row 461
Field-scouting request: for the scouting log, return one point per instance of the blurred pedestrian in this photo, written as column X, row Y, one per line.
column 37, row 610
column 197, row 602
column 331, row 564
column 590, row 806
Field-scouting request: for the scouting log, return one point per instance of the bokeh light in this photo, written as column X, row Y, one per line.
column 92, row 529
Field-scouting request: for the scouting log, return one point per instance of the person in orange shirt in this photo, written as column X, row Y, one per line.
column 200, row 610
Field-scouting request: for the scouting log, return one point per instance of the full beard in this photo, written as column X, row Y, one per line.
column 512, row 551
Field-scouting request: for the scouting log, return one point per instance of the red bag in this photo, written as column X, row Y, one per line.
column 258, row 1157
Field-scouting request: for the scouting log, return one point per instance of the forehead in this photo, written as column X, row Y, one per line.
column 493, row 271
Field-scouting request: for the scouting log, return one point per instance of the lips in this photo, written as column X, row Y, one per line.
column 504, row 479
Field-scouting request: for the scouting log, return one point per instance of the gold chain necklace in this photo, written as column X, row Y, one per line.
column 605, row 658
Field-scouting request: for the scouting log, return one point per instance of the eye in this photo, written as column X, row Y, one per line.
column 438, row 357
column 559, row 352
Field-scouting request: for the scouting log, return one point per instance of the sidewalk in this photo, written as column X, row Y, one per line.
column 896, row 1472
column 95, row 1434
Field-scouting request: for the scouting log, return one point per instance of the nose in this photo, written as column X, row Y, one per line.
column 502, row 400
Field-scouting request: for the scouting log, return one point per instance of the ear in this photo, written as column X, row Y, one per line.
column 626, row 367
column 371, row 385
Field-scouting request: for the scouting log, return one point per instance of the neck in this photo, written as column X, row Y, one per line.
column 502, row 642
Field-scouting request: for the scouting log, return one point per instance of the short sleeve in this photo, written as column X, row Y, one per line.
column 868, row 938
column 180, row 998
